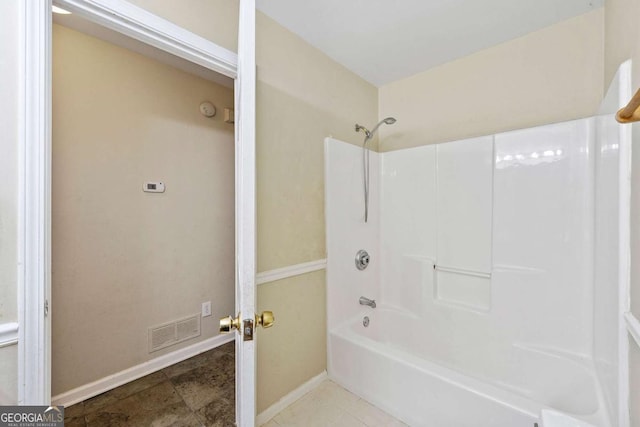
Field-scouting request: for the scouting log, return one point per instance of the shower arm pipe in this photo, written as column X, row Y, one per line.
column 366, row 131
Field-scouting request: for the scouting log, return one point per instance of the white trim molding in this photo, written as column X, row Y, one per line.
column 34, row 204
column 8, row 334
column 139, row 24
column 633, row 326
column 273, row 410
column 110, row 382
column 290, row 271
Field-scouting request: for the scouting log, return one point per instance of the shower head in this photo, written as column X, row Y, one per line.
column 387, row 121
column 369, row 133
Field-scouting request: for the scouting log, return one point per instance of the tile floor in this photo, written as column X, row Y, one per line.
column 330, row 405
column 196, row 392
column 201, row 392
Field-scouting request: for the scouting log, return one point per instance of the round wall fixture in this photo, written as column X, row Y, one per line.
column 362, row 259
column 207, row 109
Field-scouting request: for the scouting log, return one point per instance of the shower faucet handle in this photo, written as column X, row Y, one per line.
column 362, row 259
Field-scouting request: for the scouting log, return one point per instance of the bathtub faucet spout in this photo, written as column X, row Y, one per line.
column 366, row 301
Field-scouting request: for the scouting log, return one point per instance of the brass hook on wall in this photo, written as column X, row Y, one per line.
column 630, row 113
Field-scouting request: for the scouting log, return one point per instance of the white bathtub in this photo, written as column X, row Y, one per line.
column 385, row 365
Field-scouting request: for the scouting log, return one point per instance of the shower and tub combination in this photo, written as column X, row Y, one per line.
column 484, row 288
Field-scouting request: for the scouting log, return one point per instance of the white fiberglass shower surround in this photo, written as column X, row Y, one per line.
column 494, row 265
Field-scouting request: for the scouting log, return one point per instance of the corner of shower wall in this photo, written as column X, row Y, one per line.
column 347, row 233
column 611, row 151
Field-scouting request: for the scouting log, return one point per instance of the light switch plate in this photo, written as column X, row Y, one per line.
column 206, row 309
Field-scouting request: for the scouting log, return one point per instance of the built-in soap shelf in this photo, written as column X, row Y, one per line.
column 462, row 288
column 464, row 271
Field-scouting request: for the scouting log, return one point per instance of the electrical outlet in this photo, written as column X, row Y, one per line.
column 206, row 309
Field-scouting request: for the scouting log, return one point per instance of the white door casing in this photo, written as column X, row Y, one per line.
column 34, row 169
column 34, row 204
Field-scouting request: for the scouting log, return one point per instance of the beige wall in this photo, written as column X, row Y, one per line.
column 216, row 20
column 124, row 260
column 634, row 374
column 621, row 37
column 8, row 375
column 8, row 164
column 281, row 364
column 622, row 42
column 299, row 103
column 551, row 75
column 9, row 75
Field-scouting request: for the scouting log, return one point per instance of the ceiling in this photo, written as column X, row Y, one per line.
column 387, row 40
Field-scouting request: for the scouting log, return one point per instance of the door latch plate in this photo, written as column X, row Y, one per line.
column 247, row 330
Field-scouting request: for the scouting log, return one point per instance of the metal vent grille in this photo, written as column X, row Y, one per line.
column 188, row 328
column 162, row 336
column 172, row 333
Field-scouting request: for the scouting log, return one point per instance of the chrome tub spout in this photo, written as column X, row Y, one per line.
column 366, row 301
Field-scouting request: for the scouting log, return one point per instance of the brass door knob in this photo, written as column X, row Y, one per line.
column 228, row 323
column 265, row 319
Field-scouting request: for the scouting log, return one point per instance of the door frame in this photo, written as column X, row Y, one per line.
column 34, row 172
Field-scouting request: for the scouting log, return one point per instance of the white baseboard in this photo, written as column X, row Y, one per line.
column 115, row 380
column 273, row 410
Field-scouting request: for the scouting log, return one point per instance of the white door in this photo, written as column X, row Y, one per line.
column 35, row 175
column 246, row 217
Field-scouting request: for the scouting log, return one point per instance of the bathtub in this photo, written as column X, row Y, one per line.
column 516, row 386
